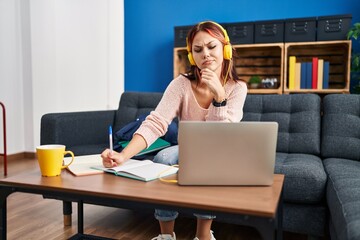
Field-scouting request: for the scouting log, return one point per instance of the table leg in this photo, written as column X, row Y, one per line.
column 3, row 219
column 67, row 211
column 267, row 231
column 279, row 231
column 4, row 193
column 272, row 228
column 80, row 217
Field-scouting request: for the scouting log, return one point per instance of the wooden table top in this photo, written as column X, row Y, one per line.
column 258, row 201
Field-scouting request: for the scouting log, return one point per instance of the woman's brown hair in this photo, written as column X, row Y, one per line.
column 228, row 71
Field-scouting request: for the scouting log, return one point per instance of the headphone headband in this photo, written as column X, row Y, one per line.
column 227, row 39
column 227, row 47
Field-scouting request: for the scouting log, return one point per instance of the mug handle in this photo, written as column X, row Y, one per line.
column 72, row 159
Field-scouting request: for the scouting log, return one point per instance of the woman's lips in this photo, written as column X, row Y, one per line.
column 207, row 62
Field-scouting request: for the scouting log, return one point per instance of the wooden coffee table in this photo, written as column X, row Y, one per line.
column 260, row 207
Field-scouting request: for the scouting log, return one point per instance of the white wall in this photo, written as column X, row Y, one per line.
column 58, row 56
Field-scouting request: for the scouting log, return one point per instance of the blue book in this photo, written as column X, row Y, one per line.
column 303, row 75
column 326, row 75
column 309, row 75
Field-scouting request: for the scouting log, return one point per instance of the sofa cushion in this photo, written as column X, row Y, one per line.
column 298, row 116
column 343, row 197
column 305, row 177
column 341, row 127
column 309, row 219
column 132, row 105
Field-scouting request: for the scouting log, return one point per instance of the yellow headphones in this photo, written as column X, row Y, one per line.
column 227, row 47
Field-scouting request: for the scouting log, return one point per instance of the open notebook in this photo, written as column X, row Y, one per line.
column 143, row 170
column 81, row 165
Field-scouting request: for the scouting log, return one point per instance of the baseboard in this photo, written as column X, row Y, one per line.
column 19, row 156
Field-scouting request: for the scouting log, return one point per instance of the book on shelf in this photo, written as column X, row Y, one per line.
column 292, row 61
column 156, row 146
column 81, row 165
column 326, row 75
column 143, row 170
column 303, row 75
column 309, row 67
column 320, row 73
column 297, row 75
column 314, row 73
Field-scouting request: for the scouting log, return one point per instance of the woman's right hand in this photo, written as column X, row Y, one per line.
column 112, row 158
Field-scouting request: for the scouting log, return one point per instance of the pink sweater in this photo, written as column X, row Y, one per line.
column 179, row 101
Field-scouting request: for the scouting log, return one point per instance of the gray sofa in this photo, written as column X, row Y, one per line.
column 318, row 150
column 340, row 150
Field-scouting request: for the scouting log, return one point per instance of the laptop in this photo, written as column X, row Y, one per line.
column 220, row 153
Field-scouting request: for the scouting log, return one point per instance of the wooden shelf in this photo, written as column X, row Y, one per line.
column 270, row 61
column 337, row 53
column 263, row 60
column 181, row 61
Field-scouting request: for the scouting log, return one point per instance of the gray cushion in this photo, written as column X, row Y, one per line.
column 343, row 197
column 298, row 116
column 341, row 127
column 305, row 177
column 307, row 219
column 76, row 128
column 133, row 104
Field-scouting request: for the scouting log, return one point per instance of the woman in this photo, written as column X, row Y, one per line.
column 210, row 91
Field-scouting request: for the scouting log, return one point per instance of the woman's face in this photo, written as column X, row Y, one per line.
column 207, row 52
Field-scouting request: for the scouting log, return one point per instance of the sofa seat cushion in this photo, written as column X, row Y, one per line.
column 343, row 196
column 309, row 219
column 305, row 177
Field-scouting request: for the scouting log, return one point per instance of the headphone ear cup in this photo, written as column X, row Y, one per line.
column 227, row 52
column 191, row 59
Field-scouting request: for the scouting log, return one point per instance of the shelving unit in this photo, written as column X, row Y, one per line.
column 181, row 61
column 263, row 60
column 271, row 60
column 338, row 53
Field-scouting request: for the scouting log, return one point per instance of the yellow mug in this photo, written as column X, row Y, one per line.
column 51, row 157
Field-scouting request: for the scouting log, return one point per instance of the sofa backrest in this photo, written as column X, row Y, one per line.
column 298, row 116
column 133, row 104
column 341, row 126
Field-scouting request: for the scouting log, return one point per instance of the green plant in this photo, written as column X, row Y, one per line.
column 255, row 80
column 354, row 33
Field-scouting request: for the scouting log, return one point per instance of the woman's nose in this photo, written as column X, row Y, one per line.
column 206, row 53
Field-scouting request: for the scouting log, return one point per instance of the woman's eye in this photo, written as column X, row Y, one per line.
column 197, row 50
column 212, row 46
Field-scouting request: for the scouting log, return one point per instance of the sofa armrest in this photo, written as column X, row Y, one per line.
column 76, row 128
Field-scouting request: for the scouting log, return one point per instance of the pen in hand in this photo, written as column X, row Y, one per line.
column 110, row 139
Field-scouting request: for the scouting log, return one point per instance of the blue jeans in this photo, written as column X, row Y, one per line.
column 170, row 156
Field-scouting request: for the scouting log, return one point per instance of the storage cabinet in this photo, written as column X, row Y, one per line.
column 337, row 53
column 263, row 60
column 270, row 61
column 181, row 61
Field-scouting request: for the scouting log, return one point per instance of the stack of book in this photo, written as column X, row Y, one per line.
column 308, row 75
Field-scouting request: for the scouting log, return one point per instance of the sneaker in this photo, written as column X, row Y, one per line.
column 165, row 237
column 211, row 236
